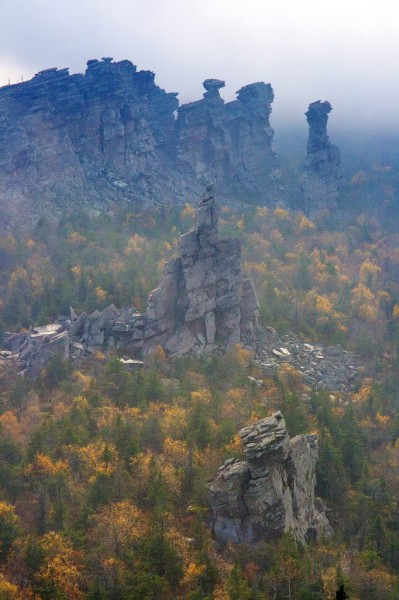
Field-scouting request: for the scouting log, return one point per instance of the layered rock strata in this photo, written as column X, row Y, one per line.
column 111, row 136
column 271, row 491
column 231, row 143
column 321, row 180
column 203, row 300
column 203, row 304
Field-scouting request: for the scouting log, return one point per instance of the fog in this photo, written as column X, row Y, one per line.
column 346, row 52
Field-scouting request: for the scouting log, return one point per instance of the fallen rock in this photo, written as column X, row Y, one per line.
column 329, row 367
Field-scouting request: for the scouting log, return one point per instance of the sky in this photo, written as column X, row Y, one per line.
column 344, row 51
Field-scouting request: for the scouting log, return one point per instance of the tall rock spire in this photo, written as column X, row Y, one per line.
column 203, row 302
column 321, row 179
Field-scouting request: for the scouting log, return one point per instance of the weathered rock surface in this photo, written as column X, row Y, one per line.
column 231, row 143
column 203, row 304
column 198, row 304
column 31, row 352
column 111, row 135
column 271, row 491
column 321, row 179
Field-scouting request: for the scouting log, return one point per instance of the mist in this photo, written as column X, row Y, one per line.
column 345, row 52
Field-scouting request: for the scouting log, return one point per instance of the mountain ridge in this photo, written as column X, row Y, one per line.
column 112, row 136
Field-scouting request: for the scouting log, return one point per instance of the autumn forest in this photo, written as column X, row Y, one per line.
column 104, row 470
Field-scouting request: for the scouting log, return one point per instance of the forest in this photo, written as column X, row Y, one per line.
column 104, row 470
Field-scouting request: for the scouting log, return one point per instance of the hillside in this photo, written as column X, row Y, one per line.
column 91, row 447
column 195, row 403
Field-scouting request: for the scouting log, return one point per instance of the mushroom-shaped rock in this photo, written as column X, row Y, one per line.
column 213, row 85
column 317, row 117
column 321, row 180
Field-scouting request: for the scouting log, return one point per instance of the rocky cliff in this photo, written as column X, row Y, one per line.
column 203, row 304
column 322, row 179
column 111, row 135
column 271, row 491
column 231, row 143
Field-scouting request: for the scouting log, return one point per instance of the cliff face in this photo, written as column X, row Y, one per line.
column 111, row 135
column 271, row 491
column 321, row 180
column 231, row 143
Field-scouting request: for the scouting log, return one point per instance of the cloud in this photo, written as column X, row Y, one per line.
column 343, row 51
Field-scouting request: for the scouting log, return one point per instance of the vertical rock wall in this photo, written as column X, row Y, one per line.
column 231, row 143
column 111, row 135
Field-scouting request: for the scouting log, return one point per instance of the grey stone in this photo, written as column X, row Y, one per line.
column 271, row 491
column 77, row 326
column 321, row 180
column 110, row 136
column 199, row 300
column 13, row 341
column 210, row 327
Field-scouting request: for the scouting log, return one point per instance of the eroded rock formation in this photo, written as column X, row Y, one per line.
column 271, row 491
column 231, row 143
column 203, row 304
column 111, row 135
column 321, row 180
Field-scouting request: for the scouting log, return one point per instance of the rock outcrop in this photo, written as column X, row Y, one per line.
column 203, row 304
column 321, row 179
column 30, row 353
column 270, row 492
column 111, row 136
column 231, row 143
column 203, row 301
